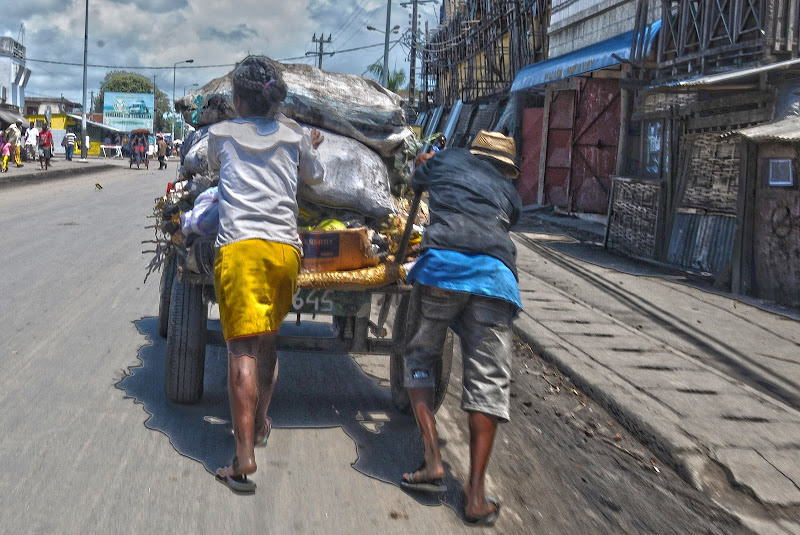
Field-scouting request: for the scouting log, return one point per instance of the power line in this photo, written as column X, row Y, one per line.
column 140, row 67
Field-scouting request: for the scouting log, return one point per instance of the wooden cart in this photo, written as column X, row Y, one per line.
column 185, row 295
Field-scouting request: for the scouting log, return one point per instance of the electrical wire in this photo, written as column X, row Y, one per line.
column 145, row 68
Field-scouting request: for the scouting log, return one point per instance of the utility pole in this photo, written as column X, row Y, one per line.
column 412, row 76
column 385, row 82
column 155, row 104
column 322, row 42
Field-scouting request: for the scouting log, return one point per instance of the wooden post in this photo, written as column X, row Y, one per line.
column 548, row 98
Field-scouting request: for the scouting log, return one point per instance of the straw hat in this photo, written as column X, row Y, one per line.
column 498, row 147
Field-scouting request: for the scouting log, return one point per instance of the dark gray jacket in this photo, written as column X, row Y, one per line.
column 472, row 206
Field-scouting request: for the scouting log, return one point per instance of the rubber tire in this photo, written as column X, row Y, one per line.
column 165, row 293
column 185, row 360
column 397, row 365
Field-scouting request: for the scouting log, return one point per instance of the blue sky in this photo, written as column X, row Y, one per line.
column 140, row 35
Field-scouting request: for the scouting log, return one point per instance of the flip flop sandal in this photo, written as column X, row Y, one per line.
column 263, row 441
column 487, row 520
column 239, row 484
column 434, row 485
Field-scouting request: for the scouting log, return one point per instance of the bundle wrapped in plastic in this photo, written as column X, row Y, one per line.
column 195, row 156
column 346, row 104
column 203, row 218
column 356, row 178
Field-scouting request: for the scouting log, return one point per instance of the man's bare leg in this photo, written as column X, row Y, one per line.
column 267, row 376
column 243, row 394
column 422, row 400
column 482, row 429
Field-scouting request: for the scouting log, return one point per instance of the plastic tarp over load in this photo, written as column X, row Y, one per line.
column 356, row 178
column 347, row 104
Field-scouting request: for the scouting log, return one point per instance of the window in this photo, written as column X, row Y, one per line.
column 652, row 149
column 780, row 172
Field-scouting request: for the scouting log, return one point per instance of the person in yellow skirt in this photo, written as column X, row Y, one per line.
column 260, row 157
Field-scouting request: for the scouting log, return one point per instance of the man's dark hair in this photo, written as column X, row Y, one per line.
column 259, row 84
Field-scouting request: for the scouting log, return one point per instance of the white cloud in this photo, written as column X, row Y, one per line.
column 141, row 34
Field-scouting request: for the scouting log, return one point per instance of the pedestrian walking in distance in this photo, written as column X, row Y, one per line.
column 69, row 144
column 5, row 152
column 260, row 157
column 14, row 136
column 466, row 276
column 31, row 142
column 45, row 146
column 162, row 152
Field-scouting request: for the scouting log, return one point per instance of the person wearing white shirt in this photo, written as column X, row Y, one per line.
column 31, row 142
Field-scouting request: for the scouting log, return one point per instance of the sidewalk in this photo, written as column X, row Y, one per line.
column 711, row 384
column 59, row 168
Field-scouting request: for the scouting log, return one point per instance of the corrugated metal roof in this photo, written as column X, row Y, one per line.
column 712, row 79
column 591, row 58
column 787, row 129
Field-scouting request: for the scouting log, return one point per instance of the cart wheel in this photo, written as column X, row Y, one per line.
column 397, row 366
column 165, row 292
column 186, row 343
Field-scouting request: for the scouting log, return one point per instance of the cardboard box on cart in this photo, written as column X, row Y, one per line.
column 336, row 250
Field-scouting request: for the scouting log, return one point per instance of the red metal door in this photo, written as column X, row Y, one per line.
column 558, row 156
column 531, row 155
column 595, row 139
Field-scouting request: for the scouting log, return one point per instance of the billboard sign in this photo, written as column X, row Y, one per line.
column 128, row 111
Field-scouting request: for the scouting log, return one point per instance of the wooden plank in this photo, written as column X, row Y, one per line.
column 548, row 101
column 729, row 120
column 754, row 98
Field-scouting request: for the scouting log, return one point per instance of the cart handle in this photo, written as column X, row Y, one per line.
column 412, row 215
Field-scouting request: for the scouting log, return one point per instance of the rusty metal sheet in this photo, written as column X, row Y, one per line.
column 595, row 139
column 531, row 154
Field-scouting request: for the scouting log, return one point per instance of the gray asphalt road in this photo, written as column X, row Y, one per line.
column 75, row 453
column 88, row 444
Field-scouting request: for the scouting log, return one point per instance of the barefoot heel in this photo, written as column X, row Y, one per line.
column 487, row 520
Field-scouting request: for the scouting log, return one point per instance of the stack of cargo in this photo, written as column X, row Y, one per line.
column 350, row 224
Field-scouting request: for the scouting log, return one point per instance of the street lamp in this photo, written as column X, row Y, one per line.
column 385, row 77
column 174, row 67
column 190, row 85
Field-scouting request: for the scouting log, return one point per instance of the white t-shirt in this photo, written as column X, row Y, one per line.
column 32, row 136
column 259, row 162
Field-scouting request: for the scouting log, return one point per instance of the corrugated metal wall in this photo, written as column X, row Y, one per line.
column 702, row 242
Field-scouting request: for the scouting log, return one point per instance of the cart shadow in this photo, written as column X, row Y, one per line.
column 313, row 391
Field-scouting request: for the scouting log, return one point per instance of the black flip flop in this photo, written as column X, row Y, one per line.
column 239, row 484
column 487, row 520
column 434, row 485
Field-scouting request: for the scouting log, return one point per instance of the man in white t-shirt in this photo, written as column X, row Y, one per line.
column 31, row 142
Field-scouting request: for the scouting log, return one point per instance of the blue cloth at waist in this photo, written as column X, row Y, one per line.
column 472, row 273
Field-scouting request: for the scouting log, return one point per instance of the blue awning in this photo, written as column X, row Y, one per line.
column 587, row 59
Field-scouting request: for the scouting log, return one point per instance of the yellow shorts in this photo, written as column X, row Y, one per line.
column 254, row 281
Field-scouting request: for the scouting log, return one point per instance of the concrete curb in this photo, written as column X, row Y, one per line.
column 680, row 455
column 12, row 178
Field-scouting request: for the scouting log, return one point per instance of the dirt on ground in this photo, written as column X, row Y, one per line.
column 566, row 467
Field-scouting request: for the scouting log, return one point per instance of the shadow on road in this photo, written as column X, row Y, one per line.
column 313, row 391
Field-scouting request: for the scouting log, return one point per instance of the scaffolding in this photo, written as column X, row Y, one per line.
column 477, row 53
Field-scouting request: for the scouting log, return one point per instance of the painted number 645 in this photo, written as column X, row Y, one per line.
column 317, row 301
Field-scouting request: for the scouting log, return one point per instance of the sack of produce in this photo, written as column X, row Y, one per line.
column 195, row 161
column 355, row 179
column 350, row 105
